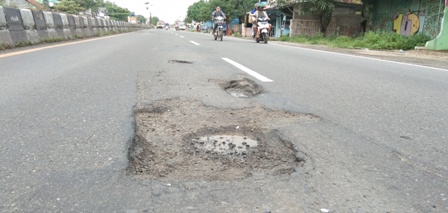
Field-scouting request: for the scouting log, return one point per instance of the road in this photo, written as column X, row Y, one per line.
column 66, row 124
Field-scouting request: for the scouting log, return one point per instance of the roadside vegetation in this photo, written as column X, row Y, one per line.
column 371, row 40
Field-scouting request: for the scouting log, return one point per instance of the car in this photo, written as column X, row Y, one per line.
column 182, row 26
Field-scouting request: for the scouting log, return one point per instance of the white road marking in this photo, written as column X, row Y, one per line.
column 182, row 36
column 194, row 43
column 364, row 57
column 248, row 71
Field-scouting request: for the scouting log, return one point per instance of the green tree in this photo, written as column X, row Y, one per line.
column 198, row 11
column 141, row 19
column 117, row 13
column 154, row 20
column 88, row 4
column 238, row 9
column 323, row 9
column 201, row 10
column 69, row 6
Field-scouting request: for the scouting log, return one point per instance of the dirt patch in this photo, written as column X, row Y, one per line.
column 244, row 88
column 184, row 140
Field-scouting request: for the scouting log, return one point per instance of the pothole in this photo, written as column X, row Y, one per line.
column 184, row 140
column 244, row 88
column 179, row 62
column 225, row 144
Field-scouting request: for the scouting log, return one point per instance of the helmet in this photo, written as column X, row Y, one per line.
column 262, row 4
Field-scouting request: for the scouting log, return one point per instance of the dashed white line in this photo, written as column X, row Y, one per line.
column 248, row 71
column 194, row 43
column 182, row 36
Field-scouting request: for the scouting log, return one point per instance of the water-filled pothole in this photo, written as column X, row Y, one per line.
column 183, row 139
column 244, row 88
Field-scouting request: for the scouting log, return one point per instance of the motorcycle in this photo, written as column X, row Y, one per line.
column 167, row 27
column 263, row 30
column 219, row 20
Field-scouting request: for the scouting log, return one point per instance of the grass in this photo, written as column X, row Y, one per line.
column 372, row 40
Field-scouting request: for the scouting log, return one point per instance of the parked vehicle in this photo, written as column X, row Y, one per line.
column 263, row 30
column 219, row 33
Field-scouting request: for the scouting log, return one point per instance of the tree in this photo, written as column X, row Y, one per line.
column 117, row 13
column 198, row 11
column 323, row 9
column 238, row 9
column 201, row 10
column 69, row 6
column 141, row 19
column 154, row 20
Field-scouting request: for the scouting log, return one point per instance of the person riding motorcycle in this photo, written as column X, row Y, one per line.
column 215, row 14
column 260, row 13
column 250, row 18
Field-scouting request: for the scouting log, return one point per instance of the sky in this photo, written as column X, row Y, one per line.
column 166, row 10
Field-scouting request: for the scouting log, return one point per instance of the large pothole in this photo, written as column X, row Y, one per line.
column 183, row 139
column 244, row 88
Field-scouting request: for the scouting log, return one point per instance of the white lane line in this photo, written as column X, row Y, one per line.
column 248, row 71
column 194, row 43
column 364, row 57
column 182, row 36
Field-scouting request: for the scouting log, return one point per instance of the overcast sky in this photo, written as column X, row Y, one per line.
column 167, row 10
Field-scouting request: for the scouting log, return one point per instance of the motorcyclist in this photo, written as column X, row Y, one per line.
column 250, row 18
column 215, row 14
column 260, row 13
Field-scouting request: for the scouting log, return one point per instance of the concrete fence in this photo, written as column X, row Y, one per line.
column 19, row 26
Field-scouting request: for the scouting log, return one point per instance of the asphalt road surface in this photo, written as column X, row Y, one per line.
column 66, row 124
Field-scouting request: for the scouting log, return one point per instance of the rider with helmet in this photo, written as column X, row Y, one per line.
column 260, row 13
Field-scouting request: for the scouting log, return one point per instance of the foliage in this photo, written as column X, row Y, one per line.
column 69, row 6
column 154, row 20
column 141, row 19
column 117, row 13
column 198, row 11
column 202, row 10
column 88, row 4
column 237, row 34
column 372, row 40
column 323, row 9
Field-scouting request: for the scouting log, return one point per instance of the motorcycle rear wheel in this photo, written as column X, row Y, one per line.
column 265, row 38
